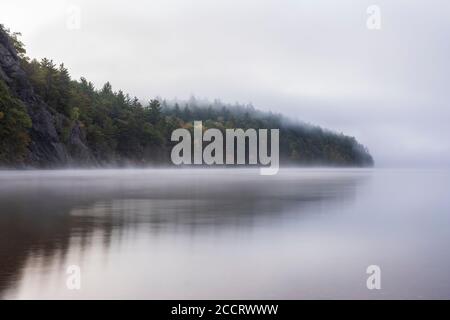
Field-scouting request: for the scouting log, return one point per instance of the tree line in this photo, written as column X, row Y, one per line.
column 120, row 129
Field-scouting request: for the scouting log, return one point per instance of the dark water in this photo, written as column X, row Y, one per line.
column 175, row 234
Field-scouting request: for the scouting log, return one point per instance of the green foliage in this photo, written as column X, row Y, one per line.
column 120, row 129
column 300, row 143
column 154, row 112
column 75, row 114
column 14, row 125
column 52, row 83
column 17, row 43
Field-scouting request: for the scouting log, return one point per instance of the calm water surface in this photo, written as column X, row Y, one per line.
column 187, row 234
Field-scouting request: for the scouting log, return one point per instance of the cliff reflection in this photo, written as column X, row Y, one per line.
column 45, row 214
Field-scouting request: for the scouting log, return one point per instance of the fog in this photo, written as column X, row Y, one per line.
column 315, row 61
column 224, row 233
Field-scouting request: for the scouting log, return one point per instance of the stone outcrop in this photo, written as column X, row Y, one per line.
column 46, row 148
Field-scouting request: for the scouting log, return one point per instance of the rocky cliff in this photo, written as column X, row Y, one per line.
column 45, row 148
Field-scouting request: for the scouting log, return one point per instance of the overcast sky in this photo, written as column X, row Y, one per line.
column 316, row 61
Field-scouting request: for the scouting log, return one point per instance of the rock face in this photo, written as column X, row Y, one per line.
column 46, row 148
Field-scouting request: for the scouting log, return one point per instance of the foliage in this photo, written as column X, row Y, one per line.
column 119, row 129
column 14, row 123
column 15, row 39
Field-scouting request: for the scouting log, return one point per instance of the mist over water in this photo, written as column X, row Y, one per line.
column 228, row 233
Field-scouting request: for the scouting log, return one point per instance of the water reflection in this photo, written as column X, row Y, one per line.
column 49, row 219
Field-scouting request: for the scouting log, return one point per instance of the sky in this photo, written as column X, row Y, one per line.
column 382, row 76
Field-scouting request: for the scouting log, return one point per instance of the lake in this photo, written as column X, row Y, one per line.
column 224, row 233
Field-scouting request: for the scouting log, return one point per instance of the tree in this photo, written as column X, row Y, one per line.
column 154, row 111
column 16, row 42
column 14, row 125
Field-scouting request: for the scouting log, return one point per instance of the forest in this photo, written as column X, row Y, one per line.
column 107, row 127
